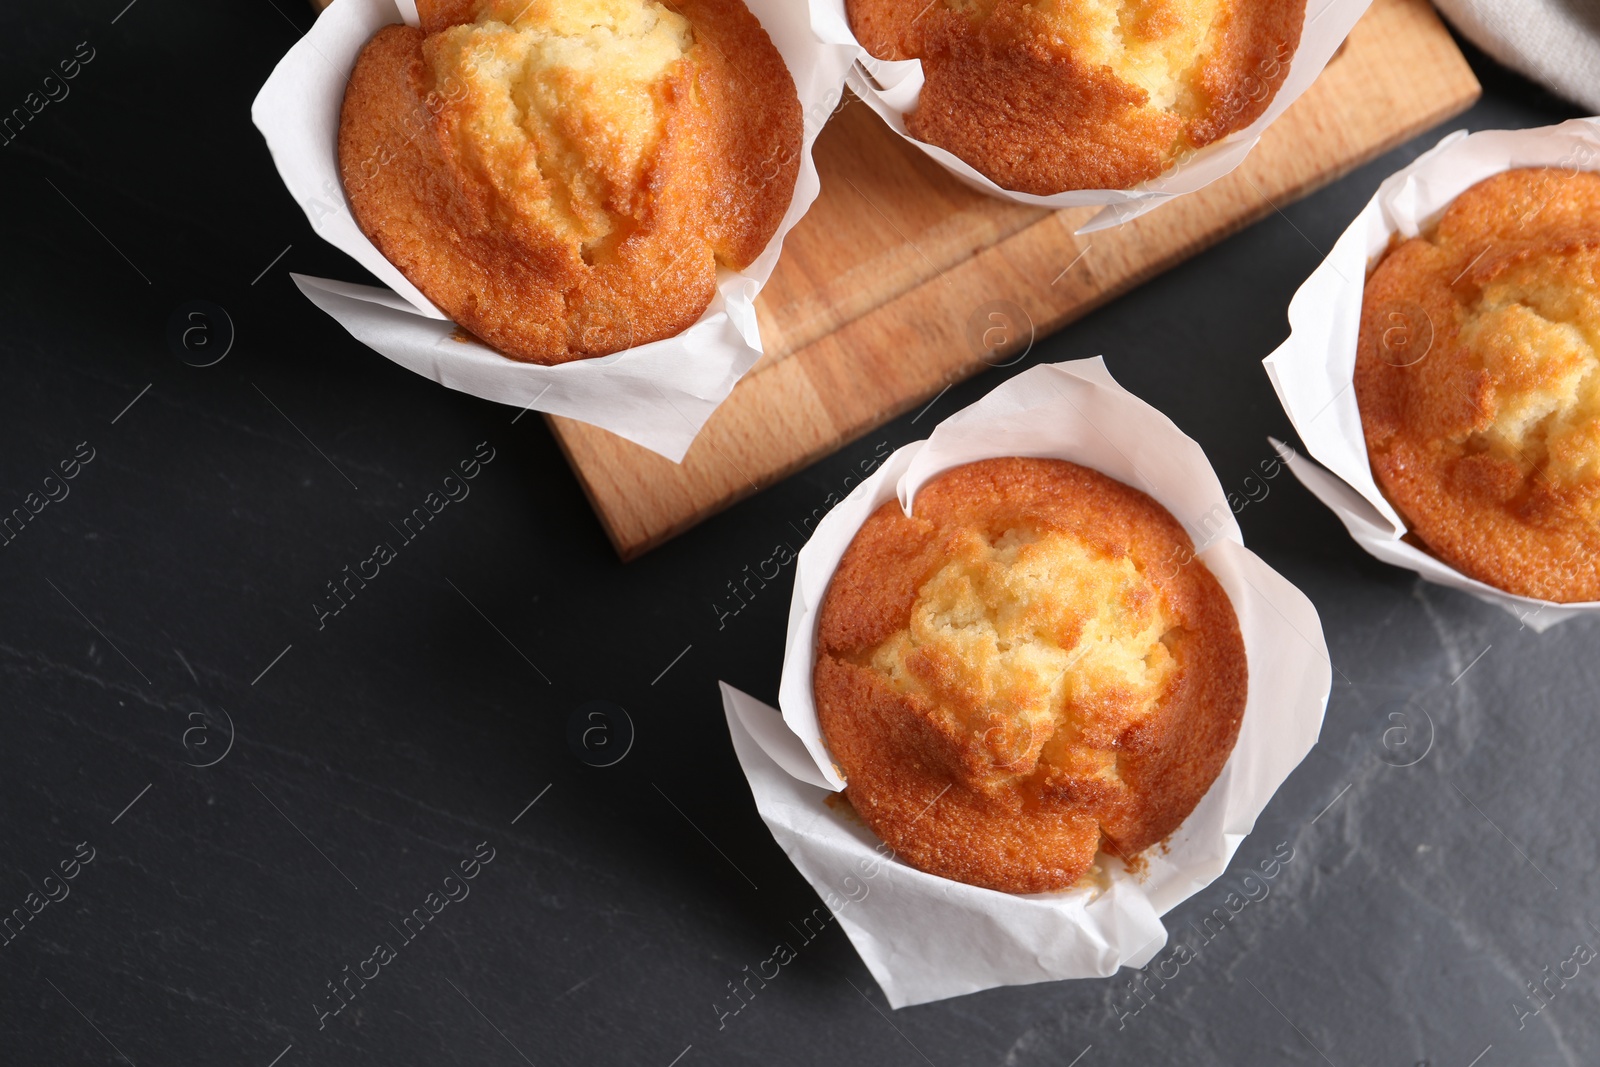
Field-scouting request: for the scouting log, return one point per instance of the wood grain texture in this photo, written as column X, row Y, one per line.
column 879, row 300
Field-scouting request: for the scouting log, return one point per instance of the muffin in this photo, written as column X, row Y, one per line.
column 1478, row 380
column 1030, row 668
column 563, row 178
column 1083, row 94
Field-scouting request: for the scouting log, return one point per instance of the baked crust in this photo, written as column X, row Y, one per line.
column 1478, row 379
column 1032, row 667
column 566, row 185
column 1083, row 94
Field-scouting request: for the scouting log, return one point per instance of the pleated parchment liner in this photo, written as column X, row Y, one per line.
column 1313, row 370
column 893, row 89
column 924, row 937
column 657, row 395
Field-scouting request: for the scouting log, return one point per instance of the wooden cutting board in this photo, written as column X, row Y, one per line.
column 901, row 280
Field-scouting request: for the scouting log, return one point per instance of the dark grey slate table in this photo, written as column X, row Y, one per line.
column 161, row 602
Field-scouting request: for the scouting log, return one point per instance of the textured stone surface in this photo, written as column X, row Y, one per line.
column 425, row 716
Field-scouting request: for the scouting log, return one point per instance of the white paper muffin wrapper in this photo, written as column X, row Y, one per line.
column 893, row 89
column 1314, row 369
column 925, row 937
column 657, row 395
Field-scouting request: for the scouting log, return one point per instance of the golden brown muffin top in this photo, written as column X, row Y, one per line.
column 563, row 177
column 1030, row 667
column 1043, row 96
column 1478, row 378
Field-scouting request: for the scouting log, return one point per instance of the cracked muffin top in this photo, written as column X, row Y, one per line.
column 1030, row 668
column 1478, row 379
column 1043, row 96
column 564, row 177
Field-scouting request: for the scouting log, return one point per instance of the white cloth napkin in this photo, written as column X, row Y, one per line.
column 1554, row 42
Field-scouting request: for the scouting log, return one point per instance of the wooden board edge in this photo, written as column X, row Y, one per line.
column 567, row 432
column 571, row 435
